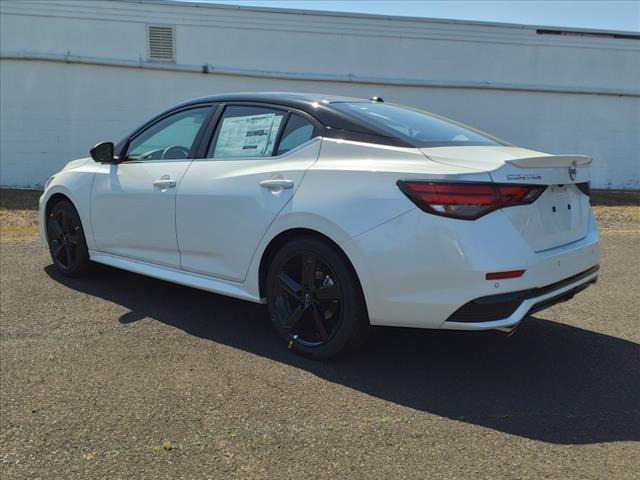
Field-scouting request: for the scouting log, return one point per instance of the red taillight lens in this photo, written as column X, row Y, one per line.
column 467, row 201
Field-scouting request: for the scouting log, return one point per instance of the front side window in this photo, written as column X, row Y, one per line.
column 298, row 131
column 169, row 139
column 245, row 131
column 417, row 127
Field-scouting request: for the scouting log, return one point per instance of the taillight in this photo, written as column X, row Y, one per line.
column 467, row 201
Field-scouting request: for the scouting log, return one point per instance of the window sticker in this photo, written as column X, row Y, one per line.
column 248, row 136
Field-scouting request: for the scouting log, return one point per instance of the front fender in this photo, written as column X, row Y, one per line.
column 74, row 184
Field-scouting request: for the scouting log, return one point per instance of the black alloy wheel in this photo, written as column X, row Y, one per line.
column 66, row 240
column 314, row 299
column 308, row 301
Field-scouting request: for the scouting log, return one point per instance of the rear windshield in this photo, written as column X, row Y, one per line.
column 414, row 126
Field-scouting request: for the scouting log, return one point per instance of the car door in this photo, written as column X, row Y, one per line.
column 133, row 201
column 226, row 202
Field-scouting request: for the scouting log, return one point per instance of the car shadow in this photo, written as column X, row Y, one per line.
column 549, row 382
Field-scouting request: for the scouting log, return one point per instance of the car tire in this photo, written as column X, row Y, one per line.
column 315, row 300
column 66, row 240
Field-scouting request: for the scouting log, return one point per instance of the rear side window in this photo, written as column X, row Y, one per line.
column 298, row 131
column 418, row 128
column 245, row 131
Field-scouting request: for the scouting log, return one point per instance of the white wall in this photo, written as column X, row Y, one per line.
column 560, row 94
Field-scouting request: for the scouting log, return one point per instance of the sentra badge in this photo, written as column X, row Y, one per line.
column 524, row 176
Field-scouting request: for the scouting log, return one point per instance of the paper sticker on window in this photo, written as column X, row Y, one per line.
column 248, row 136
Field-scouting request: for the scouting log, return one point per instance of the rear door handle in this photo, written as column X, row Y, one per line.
column 277, row 184
column 164, row 183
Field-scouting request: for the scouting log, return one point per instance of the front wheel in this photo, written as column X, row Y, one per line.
column 67, row 243
column 314, row 299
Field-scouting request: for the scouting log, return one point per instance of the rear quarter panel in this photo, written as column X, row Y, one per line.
column 352, row 189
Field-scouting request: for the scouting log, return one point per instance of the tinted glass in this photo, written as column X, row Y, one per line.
column 246, row 132
column 419, row 128
column 170, row 138
column 298, row 131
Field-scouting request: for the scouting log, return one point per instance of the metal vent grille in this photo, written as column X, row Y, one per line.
column 162, row 43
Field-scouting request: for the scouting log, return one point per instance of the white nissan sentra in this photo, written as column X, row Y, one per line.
column 338, row 213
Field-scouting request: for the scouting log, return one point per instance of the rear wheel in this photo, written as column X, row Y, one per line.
column 314, row 299
column 67, row 243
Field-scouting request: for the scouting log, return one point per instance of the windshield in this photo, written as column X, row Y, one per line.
column 417, row 127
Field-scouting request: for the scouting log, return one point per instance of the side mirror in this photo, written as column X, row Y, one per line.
column 103, row 152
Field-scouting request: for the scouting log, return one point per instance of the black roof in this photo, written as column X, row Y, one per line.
column 319, row 106
column 332, row 120
column 335, row 123
column 302, row 101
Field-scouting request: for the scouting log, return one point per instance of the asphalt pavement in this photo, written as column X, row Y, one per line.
column 118, row 376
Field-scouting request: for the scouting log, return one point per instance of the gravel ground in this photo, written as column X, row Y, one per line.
column 120, row 376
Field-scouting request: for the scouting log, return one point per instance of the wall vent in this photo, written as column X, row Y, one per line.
column 161, row 43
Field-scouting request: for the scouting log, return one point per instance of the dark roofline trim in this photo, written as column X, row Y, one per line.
column 334, row 123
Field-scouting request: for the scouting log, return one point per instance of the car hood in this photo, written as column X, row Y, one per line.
column 76, row 163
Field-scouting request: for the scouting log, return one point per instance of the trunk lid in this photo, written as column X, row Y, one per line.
column 560, row 215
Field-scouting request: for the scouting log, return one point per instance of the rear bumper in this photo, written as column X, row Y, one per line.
column 507, row 310
column 418, row 270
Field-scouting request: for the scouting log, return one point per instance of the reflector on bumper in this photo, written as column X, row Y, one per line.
column 499, row 307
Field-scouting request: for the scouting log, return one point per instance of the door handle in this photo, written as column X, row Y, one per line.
column 164, row 183
column 277, row 184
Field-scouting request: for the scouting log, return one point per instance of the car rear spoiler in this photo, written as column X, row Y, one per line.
column 550, row 161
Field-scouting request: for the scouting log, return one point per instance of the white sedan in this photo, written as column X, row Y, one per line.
column 338, row 213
